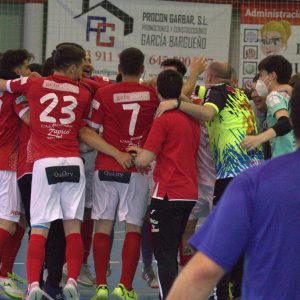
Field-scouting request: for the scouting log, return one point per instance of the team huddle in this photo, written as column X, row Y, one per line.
column 77, row 150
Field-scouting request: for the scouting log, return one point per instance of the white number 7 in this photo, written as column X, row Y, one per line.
column 135, row 107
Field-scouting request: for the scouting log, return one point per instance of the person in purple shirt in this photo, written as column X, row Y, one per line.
column 262, row 207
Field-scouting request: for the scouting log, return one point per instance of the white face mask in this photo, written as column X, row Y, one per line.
column 261, row 88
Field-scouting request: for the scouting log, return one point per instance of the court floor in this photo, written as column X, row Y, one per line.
column 139, row 284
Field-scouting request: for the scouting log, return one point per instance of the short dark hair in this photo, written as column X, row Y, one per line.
column 169, row 84
column 278, row 64
column 295, row 108
column 35, row 67
column 12, row 59
column 294, row 79
column 66, row 44
column 255, row 78
column 67, row 55
column 69, row 44
column 48, row 67
column 131, row 61
column 175, row 62
column 119, row 77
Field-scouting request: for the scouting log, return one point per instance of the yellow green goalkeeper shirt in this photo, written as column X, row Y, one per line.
column 234, row 120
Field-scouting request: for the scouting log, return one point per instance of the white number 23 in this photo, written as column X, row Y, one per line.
column 68, row 110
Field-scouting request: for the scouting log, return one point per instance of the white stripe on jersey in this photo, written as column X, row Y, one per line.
column 131, row 97
column 66, row 87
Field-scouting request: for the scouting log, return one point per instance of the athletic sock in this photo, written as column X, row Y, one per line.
column 87, row 228
column 10, row 251
column 4, row 238
column 35, row 257
column 130, row 258
column 101, row 251
column 74, row 254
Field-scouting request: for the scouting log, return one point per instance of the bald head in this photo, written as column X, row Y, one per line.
column 219, row 72
column 220, row 69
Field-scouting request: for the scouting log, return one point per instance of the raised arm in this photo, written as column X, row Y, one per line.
column 198, row 66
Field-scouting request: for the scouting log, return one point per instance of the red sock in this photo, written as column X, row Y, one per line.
column 4, row 238
column 10, row 251
column 130, row 258
column 35, row 257
column 87, row 228
column 184, row 258
column 101, row 250
column 74, row 254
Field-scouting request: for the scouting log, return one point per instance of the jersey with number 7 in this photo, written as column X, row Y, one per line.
column 57, row 106
column 126, row 111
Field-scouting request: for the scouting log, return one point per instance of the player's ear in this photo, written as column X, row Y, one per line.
column 72, row 68
column 273, row 75
column 142, row 69
column 17, row 70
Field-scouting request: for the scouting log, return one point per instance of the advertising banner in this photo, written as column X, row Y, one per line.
column 161, row 29
column 268, row 29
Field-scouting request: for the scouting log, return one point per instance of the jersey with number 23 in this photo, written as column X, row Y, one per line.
column 57, row 106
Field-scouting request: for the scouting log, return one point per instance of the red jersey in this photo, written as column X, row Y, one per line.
column 9, row 123
column 101, row 80
column 23, row 167
column 174, row 138
column 92, row 84
column 126, row 111
column 57, row 108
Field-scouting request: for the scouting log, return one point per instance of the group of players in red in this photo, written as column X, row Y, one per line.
column 45, row 124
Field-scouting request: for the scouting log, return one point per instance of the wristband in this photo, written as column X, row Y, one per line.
column 178, row 103
column 282, row 127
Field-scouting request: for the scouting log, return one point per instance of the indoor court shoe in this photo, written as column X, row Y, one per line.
column 70, row 290
column 34, row 292
column 121, row 293
column 85, row 277
column 101, row 292
column 17, row 278
column 10, row 288
column 132, row 295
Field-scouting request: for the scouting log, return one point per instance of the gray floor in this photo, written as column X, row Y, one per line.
column 144, row 292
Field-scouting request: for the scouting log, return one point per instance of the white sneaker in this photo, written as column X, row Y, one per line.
column 34, row 292
column 10, row 288
column 70, row 290
column 85, row 277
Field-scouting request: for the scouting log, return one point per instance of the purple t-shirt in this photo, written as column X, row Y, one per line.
column 259, row 216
